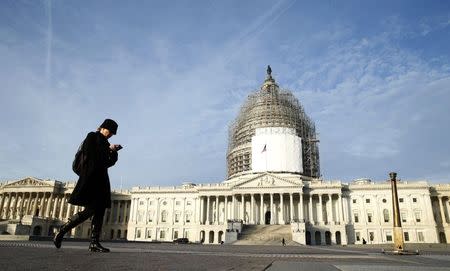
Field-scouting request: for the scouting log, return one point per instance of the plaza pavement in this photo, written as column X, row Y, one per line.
column 42, row 255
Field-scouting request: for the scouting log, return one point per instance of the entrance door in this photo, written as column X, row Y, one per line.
column 267, row 218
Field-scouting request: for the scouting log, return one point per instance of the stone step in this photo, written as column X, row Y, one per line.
column 265, row 235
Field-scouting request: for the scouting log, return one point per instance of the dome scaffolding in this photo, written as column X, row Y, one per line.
column 270, row 107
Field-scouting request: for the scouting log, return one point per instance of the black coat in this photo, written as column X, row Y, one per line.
column 93, row 188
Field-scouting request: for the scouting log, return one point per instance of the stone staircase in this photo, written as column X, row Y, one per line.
column 265, row 235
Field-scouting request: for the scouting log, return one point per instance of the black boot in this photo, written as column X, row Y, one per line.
column 95, row 245
column 70, row 224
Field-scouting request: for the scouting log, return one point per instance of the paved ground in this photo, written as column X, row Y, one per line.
column 41, row 255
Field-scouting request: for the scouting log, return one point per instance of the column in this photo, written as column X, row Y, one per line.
column 233, row 206
column 35, row 204
column 118, row 212
column 43, row 205
column 242, row 207
column 28, row 208
column 113, row 208
column 261, row 210
column 291, row 207
column 173, row 211
column 271, row 209
column 14, row 207
column 49, row 205
column 320, row 210
column 281, row 221
column 441, row 208
column 55, row 204
column 69, row 206
column 1, row 204
column 310, row 210
column 22, row 203
column 217, row 210
column 207, row 210
column 300, row 208
column 183, row 214
column 226, row 210
column 252, row 208
column 61, row 208
column 328, row 206
column 200, row 210
column 341, row 206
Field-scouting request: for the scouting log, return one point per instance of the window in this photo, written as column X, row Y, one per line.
column 188, row 203
column 140, row 216
column 354, row 200
column 420, row 236
column 358, row 236
column 162, row 234
column 141, row 202
column 138, row 233
column 369, row 217
column 150, row 202
column 177, row 217
column 164, row 216
column 177, row 202
column 367, row 200
column 188, row 218
column 150, row 217
column 406, row 234
column 403, row 215
column 414, row 199
column 389, row 237
column 371, row 236
column 401, row 199
column 175, row 234
column 417, row 215
column 149, row 234
column 386, row 215
column 356, row 217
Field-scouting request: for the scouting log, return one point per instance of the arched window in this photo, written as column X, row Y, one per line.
column 164, row 216
column 386, row 215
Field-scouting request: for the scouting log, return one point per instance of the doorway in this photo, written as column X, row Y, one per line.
column 267, row 218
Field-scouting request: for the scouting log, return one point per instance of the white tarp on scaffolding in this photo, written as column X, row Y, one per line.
column 276, row 149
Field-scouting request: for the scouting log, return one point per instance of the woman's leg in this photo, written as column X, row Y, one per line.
column 72, row 222
column 96, row 230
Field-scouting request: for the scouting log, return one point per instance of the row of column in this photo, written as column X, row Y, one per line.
column 262, row 207
column 444, row 208
column 15, row 205
column 118, row 213
column 45, row 204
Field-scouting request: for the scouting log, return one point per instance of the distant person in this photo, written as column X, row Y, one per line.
column 283, row 242
column 92, row 190
column 364, row 241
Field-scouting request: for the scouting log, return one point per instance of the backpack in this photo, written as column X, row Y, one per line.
column 79, row 160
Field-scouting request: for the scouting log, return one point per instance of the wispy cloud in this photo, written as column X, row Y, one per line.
column 377, row 103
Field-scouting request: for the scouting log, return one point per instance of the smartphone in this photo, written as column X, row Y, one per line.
column 118, row 147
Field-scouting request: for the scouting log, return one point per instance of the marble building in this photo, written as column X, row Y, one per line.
column 273, row 189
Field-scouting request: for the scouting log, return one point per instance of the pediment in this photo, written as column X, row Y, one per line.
column 27, row 182
column 267, row 180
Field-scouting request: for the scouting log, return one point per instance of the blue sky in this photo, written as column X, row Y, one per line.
column 374, row 76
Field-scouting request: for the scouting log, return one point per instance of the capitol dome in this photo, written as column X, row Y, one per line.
column 276, row 109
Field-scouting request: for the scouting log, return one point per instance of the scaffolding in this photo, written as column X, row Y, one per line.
column 271, row 107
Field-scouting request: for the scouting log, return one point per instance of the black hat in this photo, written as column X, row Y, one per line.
column 110, row 125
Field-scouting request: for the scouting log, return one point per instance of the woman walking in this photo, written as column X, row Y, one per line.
column 92, row 190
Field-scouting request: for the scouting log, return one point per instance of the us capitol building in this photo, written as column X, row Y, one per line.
column 274, row 190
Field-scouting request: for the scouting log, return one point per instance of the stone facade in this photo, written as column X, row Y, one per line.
column 42, row 206
column 319, row 212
